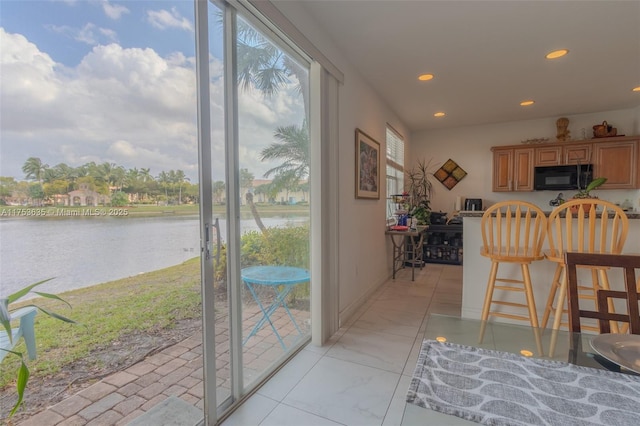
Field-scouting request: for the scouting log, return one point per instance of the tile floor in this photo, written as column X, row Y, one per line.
column 361, row 376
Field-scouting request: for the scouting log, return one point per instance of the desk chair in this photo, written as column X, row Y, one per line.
column 577, row 226
column 512, row 232
column 628, row 263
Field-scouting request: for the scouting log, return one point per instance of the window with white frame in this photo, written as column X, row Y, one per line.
column 395, row 167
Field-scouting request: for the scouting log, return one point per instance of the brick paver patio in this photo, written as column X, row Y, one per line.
column 176, row 371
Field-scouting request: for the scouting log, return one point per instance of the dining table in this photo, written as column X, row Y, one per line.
column 590, row 379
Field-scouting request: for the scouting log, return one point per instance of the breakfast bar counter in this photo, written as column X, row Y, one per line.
column 476, row 268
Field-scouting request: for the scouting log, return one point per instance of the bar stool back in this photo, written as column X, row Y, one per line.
column 586, row 225
column 512, row 232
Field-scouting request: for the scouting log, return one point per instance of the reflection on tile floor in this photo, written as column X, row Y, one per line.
column 362, row 375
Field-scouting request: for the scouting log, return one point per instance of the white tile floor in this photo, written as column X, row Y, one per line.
column 361, row 376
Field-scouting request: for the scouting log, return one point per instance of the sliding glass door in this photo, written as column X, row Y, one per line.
column 257, row 152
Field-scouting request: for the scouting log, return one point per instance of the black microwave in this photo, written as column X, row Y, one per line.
column 574, row 176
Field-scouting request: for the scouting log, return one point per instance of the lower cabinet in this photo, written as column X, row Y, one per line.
column 443, row 244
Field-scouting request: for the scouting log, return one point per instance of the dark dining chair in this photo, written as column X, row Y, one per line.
column 629, row 264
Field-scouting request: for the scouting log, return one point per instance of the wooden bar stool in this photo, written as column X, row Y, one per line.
column 585, row 225
column 512, row 232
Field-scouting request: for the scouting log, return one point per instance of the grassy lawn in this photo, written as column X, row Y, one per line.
column 146, row 302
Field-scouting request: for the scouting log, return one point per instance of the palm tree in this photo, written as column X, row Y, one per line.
column 293, row 149
column 269, row 190
column 180, row 178
column 246, row 183
column 164, row 179
column 133, row 182
column 117, row 176
column 147, row 179
column 34, row 168
column 145, row 175
column 218, row 190
column 66, row 173
column 259, row 62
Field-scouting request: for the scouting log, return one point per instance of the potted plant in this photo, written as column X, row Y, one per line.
column 419, row 189
column 585, row 193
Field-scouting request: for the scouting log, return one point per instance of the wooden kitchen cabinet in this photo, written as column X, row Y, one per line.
column 548, row 156
column 577, row 154
column 557, row 155
column 616, row 158
column 618, row 162
column 512, row 169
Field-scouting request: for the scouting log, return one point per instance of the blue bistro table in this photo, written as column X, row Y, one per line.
column 282, row 279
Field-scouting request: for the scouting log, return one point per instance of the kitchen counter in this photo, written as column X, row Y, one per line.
column 476, row 268
column 470, row 213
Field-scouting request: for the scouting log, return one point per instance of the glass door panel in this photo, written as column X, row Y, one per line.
column 273, row 151
column 260, row 193
column 219, row 223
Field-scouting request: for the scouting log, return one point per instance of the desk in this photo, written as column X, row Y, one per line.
column 407, row 247
column 282, row 279
column 550, row 394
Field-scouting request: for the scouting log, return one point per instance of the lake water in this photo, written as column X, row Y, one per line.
column 80, row 252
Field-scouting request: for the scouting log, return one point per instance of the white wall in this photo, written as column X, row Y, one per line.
column 470, row 148
column 364, row 249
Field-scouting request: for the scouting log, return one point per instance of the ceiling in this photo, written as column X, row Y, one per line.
column 488, row 56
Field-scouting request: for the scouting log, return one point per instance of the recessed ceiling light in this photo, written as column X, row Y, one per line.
column 439, row 114
column 527, row 103
column 425, row 77
column 636, row 89
column 557, row 54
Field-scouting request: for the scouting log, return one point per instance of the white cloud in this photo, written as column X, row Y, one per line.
column 164, row 19
column 122, row 149
column 90, row 34
column 109, row 34
column 28, row 76
column 124, row 105
column 114, row 11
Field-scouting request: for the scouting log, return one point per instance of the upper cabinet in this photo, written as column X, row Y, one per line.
column 512, row 169
column 558, row 155
column 577, row 153
column 617, row 159
column 618, row 162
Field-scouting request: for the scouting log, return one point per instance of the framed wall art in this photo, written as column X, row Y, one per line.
column 450, row 174
column 367, row 166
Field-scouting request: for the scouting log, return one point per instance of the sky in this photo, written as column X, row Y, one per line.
column 108, row 81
